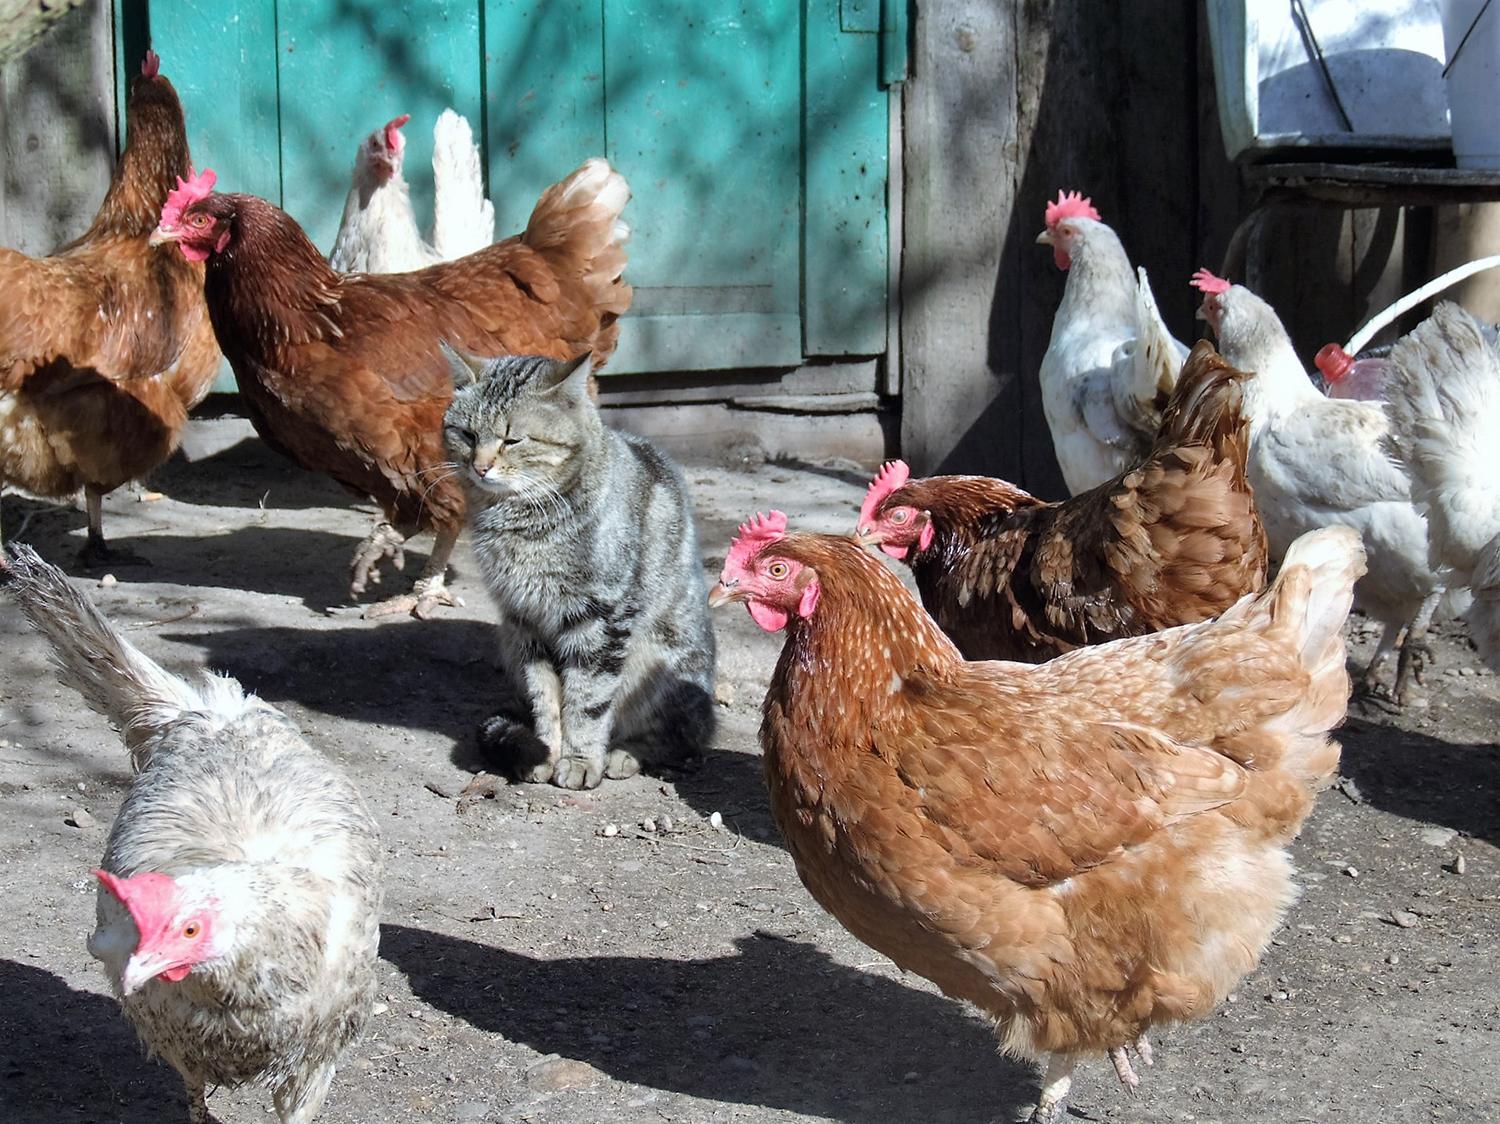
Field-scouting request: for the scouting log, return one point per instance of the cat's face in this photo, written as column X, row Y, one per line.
column 519, row 425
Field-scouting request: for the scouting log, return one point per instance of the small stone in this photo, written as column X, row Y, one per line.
column 1405, row 919
column 108, row 580
column 724, row 694
column 380, row 1008
column 911, row 1077
column 1393, row 959
column 715, row 820
column 1438, row 836
column 79, row 818
column 610, row 830
column 1351, row 871
column 151, row 497
column 552, row 1075
column 1458, row 865
column 648, row 826
column 665, row 824
column 1343, row 938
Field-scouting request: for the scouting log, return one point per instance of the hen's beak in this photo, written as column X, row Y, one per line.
column 1044, row 238
column 723, row 594
column 161, row 235
column 139, row 971
column 866, row 536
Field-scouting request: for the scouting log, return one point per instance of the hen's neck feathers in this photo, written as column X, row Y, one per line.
column 840, row 667
column 270, row 286
column 379, row 226
column 1100, row 285
column 962, row 509
column 1252, row 338
column 156, row 153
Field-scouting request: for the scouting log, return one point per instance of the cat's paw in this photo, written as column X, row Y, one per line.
column 511, row 747
column 577, row 772
column 620, row 764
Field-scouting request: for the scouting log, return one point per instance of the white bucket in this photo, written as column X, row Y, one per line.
column 1473, row 81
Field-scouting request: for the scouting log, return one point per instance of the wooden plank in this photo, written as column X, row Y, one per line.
column 540, row 123
column 222, row 60
column 845, row 147
column 57, row 132
column 346, row 69
column 707, row 343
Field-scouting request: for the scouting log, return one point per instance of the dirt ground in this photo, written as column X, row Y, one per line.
column 613, row 956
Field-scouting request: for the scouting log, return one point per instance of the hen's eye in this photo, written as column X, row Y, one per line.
column 198, row 220
column 191, row 930
column 900, row 515
column 778, row 570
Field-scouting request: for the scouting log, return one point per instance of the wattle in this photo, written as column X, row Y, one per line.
column 1060, row 257
column 772, row 620
column 193, row 253
column 896, row 552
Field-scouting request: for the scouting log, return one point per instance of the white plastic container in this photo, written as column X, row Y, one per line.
column 1385, row 57
column 1347, row 377
column 1473, row 81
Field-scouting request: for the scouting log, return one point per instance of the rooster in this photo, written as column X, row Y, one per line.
column 378, row 233
column 345, row 373
column 1172, row 541
column 1317, row 461
column 106, row 345
column 1111, row 362
column 1084, row 849
column 239, row 904
column 1443, row 391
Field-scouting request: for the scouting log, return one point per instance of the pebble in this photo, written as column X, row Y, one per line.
column 610, row 830
column 715, row 820
column 666, row 824
column 724, row 694
column 1406, row 919
column 1438, row 836
column 1351, row 871
column 648, row 826
column 1458, row 866
column 79, row 818
column 552, row 1075
column 108, row 580
column 1393, row 959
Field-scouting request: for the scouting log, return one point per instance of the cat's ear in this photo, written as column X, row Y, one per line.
column 572, row 377
column 464, row 368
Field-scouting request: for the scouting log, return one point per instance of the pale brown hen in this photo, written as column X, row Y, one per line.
column 345, row 373
column 1175, row 540
column 1084, row 849
column 106, row 345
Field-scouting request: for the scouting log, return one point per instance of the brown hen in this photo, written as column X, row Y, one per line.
column 1173, row 541
column 1083, row 849
column 106, row 345
column 345, row 373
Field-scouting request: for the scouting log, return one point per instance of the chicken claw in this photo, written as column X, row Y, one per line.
column 1123, row 1069
column 1057, row 1082
column 383, row 542
column 425, row 597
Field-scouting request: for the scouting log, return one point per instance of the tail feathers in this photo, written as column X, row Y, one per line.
column 578, row 221
column 1443, row 399
column 463, row 218
column 1207, row 407
column 112, row 675
column 1483, row 617
column 1145, row 368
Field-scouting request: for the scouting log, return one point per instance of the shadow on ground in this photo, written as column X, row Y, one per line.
column 70, row 1055
column 778, row 1024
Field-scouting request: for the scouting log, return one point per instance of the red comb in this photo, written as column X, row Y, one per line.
column 1070, row 205
column 754, row 534
column 151, row 64
column 892, row 475
column 1206, row 282
column 188, row 192
column 147, row 896
column 393, row 131
column 1333, row 361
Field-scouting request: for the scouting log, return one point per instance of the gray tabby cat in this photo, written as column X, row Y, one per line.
column 586, row 540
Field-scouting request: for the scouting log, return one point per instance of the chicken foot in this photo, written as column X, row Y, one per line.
column 430, row 589
column 1120, row 1057
column 96, row 552
column 1415, row 651
column 1057, row 1082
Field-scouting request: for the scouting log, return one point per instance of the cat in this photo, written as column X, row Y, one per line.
column 586, row 542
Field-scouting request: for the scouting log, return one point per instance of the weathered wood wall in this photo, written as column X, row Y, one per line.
column 1010, row 100
column 57, row 132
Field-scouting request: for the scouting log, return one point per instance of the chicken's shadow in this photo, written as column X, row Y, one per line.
column 779, row 1025
column 1423, row 778
column 70, row 1055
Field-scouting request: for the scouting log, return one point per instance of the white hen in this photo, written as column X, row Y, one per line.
column 239, row 907
column 379, row 233
column 1443, row 390
column 1318, row 462
column 1111, row 363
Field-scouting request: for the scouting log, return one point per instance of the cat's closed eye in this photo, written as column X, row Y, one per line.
column 508, row 442
column 457, row 435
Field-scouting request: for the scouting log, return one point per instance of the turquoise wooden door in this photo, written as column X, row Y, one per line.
column 754, row 137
